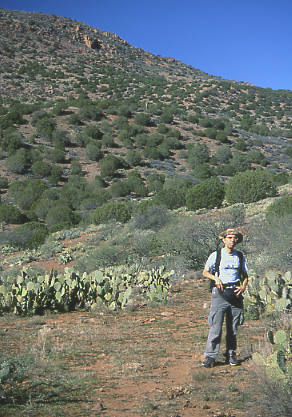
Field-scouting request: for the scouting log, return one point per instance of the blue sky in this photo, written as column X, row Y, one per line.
column 241, row 40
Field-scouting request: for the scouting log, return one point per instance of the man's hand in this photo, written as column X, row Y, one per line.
column 239, row 290
column 219, row 284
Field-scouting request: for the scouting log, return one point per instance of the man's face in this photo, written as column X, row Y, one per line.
column 230, row 241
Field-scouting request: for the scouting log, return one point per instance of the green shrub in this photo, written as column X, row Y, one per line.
column 75, row 120
column 199, row 153
column 60, row 109
column 110, row 164
column 223, row 155
column 57, row 155
column 120, row 189
column 118, row 211
column 166, row 117
column 62, row 226
column 93, row 151
column 27, row 236
column 20, row 162
column 178, row 183
column 171, row 198
column 121, row 123
column 281, row 178
column 161, row 128
column 43, row 205
column 124, row 111
column 207, row 194
column 202, row 171
column 192, row 118
column 141, row 140
column 45, row 127
column 240, row 162
column 250, row 186
column 11, row 141
column 104, row 256
column 74, row 191
column 41, row 169
column 240, row 145
column 208, row 123
column 142, row 119
column 272, row 240
column 152, row 153
column 257, row 157
column 3, row 182
column 27, row 192
column 154, row 139
column 98, row 194
column 10, row 119
column 38, row 115
column 75, row 168
column 10, row 214
column 155, row 181
column 91, row 113
column 225, row 170
column 60, row 138
column 134, row 158
column 136, row 184
column 124, row 135
column 221, row 137
column 93, row 131
column 107, row 140
column 82, row 139
column 61, row 213
column 56, row 175
column 211, row 132
column 164, row 151
column 172, row 143
column 288, row 151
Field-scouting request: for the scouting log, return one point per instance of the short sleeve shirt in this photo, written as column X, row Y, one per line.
column 229, row 266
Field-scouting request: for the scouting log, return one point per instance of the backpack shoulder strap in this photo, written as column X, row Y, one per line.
column 218, row 260
column 240, row 255
column 216, row 267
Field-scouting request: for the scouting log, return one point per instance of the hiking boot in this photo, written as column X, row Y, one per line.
column 233, row 361
column 208, row 362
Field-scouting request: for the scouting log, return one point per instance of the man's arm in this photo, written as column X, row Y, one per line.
column 218, row 282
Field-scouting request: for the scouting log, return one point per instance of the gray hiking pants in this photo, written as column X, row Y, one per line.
column 234, row 317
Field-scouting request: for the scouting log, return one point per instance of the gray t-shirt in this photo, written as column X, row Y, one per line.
column 229, row 266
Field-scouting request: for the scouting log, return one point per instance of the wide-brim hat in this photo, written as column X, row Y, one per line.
column 232, row 232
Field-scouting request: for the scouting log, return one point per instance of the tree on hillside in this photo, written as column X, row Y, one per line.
column 207, row 194
column 223, row 155
column 250, row 186
column 142, row 119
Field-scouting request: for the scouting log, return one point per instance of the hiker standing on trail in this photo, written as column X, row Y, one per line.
column 224, row 268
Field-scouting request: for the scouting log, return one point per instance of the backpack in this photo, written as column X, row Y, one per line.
column 217, row 264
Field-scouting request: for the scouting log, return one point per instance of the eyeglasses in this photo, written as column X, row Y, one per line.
column 232, row 238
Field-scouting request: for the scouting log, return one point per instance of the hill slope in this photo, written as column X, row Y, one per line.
column 87, row 119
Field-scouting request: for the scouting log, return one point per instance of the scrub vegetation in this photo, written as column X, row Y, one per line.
column 110, row 158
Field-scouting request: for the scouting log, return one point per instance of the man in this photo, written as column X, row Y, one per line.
column 227, row 299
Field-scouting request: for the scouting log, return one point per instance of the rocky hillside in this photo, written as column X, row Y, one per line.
column 43, row 49
column 87, row 119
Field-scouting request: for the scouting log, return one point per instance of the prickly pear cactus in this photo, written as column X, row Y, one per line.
column 111, row 287
column 278, row 364
column 271, row 293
